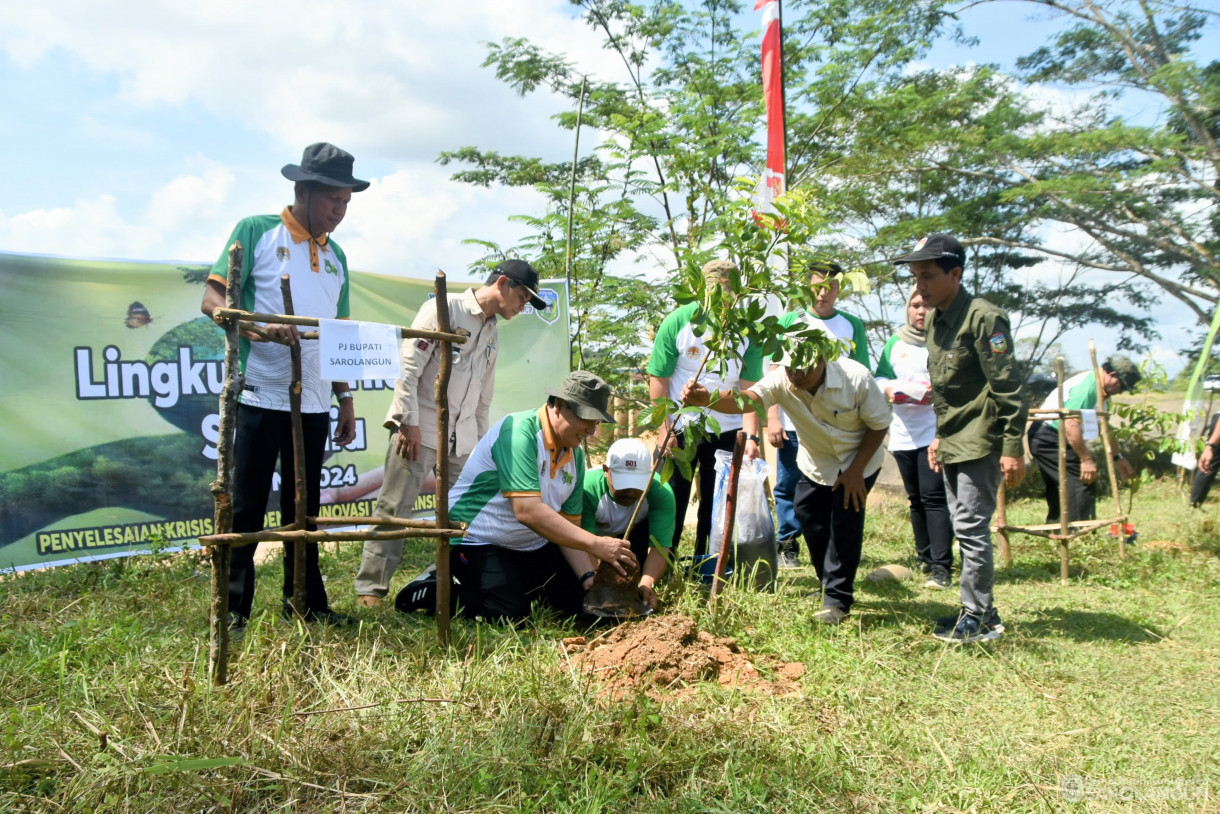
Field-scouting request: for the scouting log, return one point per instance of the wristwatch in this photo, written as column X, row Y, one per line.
column 346, row 394
column 753, row 438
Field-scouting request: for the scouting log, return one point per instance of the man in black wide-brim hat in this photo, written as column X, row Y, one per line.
column 295, row 242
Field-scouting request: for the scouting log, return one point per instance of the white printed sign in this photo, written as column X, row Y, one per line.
column 1088, row 424
column 353, row 350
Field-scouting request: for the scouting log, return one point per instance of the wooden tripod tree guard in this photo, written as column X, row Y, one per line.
column 219, row 544
column 1066, row 530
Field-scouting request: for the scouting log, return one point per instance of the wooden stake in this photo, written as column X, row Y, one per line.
column 237, row 539
column 221, row 315
column 443, row 579
column 300, row 589
column 222, row 487
column 730, row 514
column 1063, row 484
column 1001, row 508
column 1108, row 446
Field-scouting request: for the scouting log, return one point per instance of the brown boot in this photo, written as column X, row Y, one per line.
column 368, row 601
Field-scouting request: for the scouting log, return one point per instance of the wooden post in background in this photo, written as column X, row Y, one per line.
column 1001, row 510
column 300, row 591
column 443, row 578
column 222, row 487
column 1103, row 426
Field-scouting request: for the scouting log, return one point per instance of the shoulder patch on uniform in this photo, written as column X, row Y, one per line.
column 999, row 343
column 423, row 344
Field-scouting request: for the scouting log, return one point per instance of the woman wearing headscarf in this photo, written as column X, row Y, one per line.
column 902, row 372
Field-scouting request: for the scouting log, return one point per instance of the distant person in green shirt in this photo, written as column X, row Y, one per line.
column 610, row 497
column 1119, row 374
column 980, row 417
column 781, row 432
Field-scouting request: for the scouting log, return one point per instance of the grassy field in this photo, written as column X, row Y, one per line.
column 1112, row 678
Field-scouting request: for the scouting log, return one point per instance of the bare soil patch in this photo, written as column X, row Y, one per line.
column 670, row 652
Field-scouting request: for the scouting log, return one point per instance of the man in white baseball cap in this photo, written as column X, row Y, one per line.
column 610, row 497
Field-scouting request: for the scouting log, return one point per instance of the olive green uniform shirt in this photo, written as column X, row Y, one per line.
column 976, row 389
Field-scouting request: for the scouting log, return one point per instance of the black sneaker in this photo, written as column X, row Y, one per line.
column 969, row 627
column 418, row 594
column 939, row 580
column 925, row 568
column 237, row 627
column 789, row 559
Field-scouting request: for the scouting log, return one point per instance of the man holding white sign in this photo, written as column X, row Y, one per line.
column 297, row 243
column 1118, row 373
column 411, row 457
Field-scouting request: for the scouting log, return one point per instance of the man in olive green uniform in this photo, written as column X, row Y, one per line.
column 980, row 412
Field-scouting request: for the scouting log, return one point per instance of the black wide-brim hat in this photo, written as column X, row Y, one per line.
column 325, row 164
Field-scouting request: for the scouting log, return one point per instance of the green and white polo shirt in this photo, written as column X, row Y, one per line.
column 276, row 245
column 677, row 353
column 518, row 457
column 606, row 518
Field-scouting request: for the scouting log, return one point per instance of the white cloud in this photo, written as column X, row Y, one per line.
column 399, row 79
column 183, row 201
column 89, row 228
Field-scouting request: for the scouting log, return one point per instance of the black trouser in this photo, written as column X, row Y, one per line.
column 262, row 437
column 835, row 536
column 500, row 583
column 930, row 520
column 1202, row 483
column 705, row 464
column 1082, row 497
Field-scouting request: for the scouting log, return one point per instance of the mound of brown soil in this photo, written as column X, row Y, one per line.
column 663, row 652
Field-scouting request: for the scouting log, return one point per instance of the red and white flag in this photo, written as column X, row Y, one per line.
column 771, row 186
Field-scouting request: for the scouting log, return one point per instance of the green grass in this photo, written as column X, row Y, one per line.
column 1109, row 677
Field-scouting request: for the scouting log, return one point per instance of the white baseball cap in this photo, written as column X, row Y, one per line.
column 630, row 464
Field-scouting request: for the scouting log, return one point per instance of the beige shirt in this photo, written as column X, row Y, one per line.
column 471, row 381
column 830, row 424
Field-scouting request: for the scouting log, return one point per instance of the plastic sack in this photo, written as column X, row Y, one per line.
column 754, row 554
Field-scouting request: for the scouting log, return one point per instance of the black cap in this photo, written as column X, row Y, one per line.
column 587, row 394
column 523, row 273
column 944, row 249
column 325, row 164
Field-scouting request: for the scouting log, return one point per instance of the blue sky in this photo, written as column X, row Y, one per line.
column 145, row 130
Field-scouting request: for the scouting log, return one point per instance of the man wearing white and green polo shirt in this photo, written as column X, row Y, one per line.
column 1118, row 374
column 521, row 494
column 677, row 355
column 297, row 243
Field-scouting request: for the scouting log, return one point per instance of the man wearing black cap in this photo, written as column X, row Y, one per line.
column 980, row 412
column 521, row 495
column 297, row 243
column 1118, row 373
column 411, row 456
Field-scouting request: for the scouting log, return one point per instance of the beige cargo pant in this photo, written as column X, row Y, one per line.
column 403, row 481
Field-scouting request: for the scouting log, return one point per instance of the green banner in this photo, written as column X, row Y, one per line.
column 111, row 385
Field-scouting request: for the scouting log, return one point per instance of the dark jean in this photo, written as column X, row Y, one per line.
column 263, row 436
column 835, row 536
column 704, row 464
column 1082, row 497
column 786, row 476
column 930, row 521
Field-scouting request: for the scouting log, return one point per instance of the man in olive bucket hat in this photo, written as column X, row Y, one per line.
column 521, row 494
column 295, row 242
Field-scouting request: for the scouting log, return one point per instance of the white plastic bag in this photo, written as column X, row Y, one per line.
column 754, row 523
